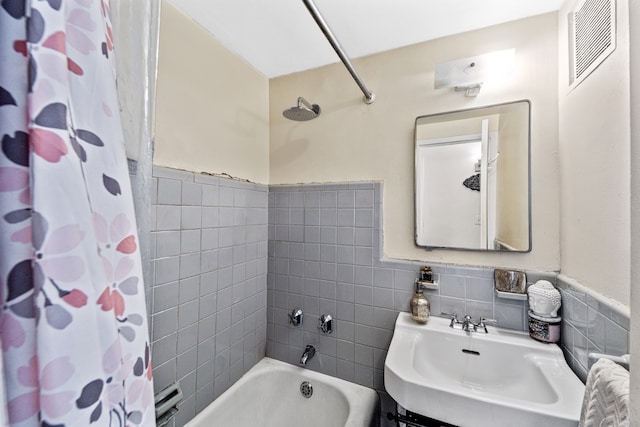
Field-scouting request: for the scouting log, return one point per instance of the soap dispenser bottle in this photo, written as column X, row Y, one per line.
column 420, row 306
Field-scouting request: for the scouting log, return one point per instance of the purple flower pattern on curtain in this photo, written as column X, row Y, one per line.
column 73, row 324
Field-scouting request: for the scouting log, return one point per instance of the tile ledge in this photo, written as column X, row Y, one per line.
column 613, row 304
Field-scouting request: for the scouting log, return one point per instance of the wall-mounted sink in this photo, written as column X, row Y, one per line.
column 502, row 378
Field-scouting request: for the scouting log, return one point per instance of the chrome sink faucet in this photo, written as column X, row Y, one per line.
column 467, row 324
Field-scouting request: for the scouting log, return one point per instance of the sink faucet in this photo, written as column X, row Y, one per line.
column 308, row 354
column 467, row 324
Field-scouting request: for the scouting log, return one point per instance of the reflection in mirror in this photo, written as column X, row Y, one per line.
column 472, row 172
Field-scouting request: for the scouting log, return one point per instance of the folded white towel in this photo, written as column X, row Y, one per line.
column 606, row 396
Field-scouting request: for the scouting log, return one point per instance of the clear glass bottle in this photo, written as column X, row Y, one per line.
column 420, row 306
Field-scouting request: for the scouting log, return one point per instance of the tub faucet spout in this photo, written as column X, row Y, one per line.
column 308, row 354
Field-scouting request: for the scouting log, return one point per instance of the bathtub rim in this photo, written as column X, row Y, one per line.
column 362, row 401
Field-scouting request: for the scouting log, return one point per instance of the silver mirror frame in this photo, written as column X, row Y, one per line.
column 415, row 182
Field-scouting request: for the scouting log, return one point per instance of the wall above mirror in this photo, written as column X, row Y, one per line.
column 472, row 179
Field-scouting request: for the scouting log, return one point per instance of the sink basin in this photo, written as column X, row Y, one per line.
column 470, row 379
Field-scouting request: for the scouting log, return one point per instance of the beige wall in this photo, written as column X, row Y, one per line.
column 594, row 143
column 212, row 108
column 351, row 141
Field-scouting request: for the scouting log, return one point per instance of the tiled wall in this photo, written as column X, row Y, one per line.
column 321, row 259
column 591, row 324
column 325, row 246
column 209, row 297
column 210, row 241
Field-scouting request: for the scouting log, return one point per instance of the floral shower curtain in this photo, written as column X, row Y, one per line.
column 73, row 327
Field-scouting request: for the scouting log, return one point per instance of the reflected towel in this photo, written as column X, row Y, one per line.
column 606, row 396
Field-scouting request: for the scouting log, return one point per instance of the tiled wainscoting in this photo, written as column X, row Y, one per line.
column 591, row 324
column 325, row 245
column 232, row 259
column 209, row 296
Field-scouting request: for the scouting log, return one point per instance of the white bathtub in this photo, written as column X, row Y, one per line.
column 269, row 396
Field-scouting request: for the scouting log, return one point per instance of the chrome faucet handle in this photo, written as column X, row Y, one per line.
column 453, row 317
column 295, row 318
column 325, row 324
column 482, row 324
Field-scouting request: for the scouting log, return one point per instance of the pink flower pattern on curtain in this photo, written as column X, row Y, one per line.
column 73, row 324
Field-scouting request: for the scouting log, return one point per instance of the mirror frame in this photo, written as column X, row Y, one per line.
column 415, row 175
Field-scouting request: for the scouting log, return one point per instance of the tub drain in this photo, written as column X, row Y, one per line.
column 306, row 389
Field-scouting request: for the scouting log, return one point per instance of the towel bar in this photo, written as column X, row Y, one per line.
column 623, row 360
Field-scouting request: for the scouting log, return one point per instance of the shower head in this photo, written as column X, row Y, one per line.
column 303, row 111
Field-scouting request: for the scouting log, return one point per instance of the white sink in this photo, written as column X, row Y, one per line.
column 470, row 379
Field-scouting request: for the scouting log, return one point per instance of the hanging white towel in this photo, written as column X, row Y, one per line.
column 606, row 396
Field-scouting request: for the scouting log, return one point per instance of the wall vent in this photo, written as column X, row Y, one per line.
column 592, row 37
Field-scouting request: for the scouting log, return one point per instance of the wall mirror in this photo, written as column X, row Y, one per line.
column 472, row 179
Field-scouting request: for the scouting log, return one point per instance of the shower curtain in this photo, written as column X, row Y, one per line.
column 74, row 334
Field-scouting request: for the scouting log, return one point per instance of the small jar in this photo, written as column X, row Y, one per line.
column 545, row 329
column 420, row 306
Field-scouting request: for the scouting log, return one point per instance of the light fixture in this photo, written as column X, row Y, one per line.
column 470, row 90
column 469, row 74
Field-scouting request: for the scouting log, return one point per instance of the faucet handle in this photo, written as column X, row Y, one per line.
column 295, row 318
column 453, row 317
column 484, row 322
column 325, row 324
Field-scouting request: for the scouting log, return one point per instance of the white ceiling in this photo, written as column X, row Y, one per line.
column 279, row 37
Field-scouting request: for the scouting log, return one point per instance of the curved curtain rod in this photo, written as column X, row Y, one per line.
column 369, row 96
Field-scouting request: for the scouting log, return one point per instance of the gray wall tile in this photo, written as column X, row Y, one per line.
column 591, row 323
column 165, row 323
column 210, row 216
column 364, row 199
column 210, row 195
column 479, row 289
column 165, row 296
column 167, row 243
column 169, row 192
column 199, row 290
column 327, row 259
column 190, row 241
column 189, row 265
column 167, row 217
column 189, row 289
column 167, row 270
column 191, row 193
column 188, row 314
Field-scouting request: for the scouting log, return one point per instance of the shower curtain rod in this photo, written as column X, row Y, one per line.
column 369, row 96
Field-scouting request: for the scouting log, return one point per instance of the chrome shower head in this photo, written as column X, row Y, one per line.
column 303, row 111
